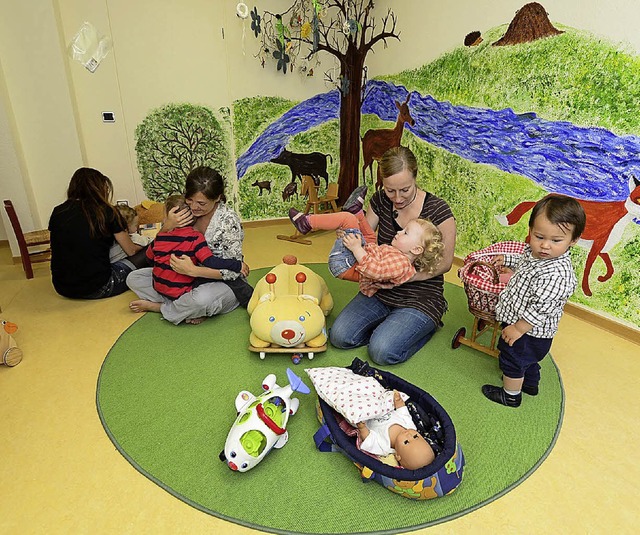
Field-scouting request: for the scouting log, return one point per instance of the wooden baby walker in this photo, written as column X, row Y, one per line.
column 482, row 284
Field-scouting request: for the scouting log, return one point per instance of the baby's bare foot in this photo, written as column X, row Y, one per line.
column 196, row 321
column 142, row 305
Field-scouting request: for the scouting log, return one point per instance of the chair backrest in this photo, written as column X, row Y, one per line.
column 25, row 240
column 15, row 223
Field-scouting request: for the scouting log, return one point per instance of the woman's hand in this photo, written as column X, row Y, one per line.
column 183, row 265
column 177, row 218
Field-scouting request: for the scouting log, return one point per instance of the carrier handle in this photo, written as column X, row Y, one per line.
column 320, row 437
column 496, row 275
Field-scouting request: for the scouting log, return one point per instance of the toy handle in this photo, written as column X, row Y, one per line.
column 496, row 275
column 268, row 421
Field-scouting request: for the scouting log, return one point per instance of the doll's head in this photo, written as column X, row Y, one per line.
column 412, row 450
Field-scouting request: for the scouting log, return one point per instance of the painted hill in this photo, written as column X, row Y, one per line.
column 573, row 77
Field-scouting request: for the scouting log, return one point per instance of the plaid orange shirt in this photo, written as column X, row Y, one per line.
column 383, row 267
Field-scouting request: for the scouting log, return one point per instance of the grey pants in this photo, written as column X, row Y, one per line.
column 207, row 299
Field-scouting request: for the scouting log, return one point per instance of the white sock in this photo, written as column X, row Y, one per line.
column 512, row 392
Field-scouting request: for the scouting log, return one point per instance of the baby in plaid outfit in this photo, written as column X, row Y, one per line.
column 357, row 257
column 532, row 303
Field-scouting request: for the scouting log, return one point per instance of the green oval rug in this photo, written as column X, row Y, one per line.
column 165, row 396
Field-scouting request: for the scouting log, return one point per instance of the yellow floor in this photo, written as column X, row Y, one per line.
column 61, row 474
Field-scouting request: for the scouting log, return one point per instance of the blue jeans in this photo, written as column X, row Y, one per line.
column 340, row 258
column 117, row 282
column 393, row 334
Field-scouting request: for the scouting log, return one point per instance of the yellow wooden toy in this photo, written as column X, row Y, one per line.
column 11, row 354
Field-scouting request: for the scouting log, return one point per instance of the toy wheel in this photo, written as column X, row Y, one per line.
column 310, row 355
column 295, row 403
column 296, row 358
column 262, row 355
column 482, row 324
column 455, row 343
column 12, row 357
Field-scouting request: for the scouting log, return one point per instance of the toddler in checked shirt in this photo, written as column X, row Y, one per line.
column 532, row 303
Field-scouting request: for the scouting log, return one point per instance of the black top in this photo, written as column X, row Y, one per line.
column 426, row 296
column 79, row 263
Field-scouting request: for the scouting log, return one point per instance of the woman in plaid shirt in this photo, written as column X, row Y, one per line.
column 532, row 303
column 396, row 322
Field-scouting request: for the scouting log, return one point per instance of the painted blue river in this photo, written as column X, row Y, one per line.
column 587, row 163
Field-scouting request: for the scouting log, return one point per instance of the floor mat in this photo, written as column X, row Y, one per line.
column 166, row 394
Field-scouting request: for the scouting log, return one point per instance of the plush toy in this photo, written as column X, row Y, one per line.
column 288, row 308
column 9, row 351
column 150, row 212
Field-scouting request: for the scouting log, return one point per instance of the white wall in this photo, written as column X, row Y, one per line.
column 45, row 137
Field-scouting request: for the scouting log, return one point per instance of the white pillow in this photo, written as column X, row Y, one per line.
column 356, row 397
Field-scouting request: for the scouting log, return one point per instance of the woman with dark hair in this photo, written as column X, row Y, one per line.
column 83, row 229
column 222, row 229
column 395, row 323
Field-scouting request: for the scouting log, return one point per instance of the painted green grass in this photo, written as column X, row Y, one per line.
column 572, row 77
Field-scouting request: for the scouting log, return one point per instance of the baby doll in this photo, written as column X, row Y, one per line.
column 396, row 433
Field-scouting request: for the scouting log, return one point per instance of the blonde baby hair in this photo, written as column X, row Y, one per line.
column 432, row 245
column 129, row 214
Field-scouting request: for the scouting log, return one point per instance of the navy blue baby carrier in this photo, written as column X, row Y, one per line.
column 437, row 479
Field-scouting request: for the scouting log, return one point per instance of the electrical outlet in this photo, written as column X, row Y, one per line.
column 122, row 201
column 108, row 117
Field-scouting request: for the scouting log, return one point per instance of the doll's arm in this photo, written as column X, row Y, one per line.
column 363, row 430
column 397, row 400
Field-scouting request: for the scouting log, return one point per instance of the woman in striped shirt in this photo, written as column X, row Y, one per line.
column 396, row 322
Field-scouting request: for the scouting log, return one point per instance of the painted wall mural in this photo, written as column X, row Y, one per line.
column 495, row 126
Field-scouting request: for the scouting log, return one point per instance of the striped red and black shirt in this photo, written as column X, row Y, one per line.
column 184, row 241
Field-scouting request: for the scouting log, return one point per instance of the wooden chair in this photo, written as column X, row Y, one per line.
column 27, row 240
column 315, row 205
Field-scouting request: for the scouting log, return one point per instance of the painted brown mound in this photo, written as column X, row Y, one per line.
column 530, row 23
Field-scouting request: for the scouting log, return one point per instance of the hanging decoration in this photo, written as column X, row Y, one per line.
column 88, row 47
column 255, row 21
column 282, row 57
column 242, row 11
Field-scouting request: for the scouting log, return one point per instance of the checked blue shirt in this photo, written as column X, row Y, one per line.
column 537, row 292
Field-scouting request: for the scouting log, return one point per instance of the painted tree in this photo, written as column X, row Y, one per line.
column 174, row 139
column 344, row 29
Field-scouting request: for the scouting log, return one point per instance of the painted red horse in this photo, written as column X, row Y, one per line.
column 606, row 221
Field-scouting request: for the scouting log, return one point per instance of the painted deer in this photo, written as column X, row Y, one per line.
column 377, row 141
column 606, row 221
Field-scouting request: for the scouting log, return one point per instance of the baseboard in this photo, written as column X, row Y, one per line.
column 628, row 332
column 265, row 222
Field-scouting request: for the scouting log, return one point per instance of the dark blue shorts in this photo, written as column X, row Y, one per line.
column 522, row 358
